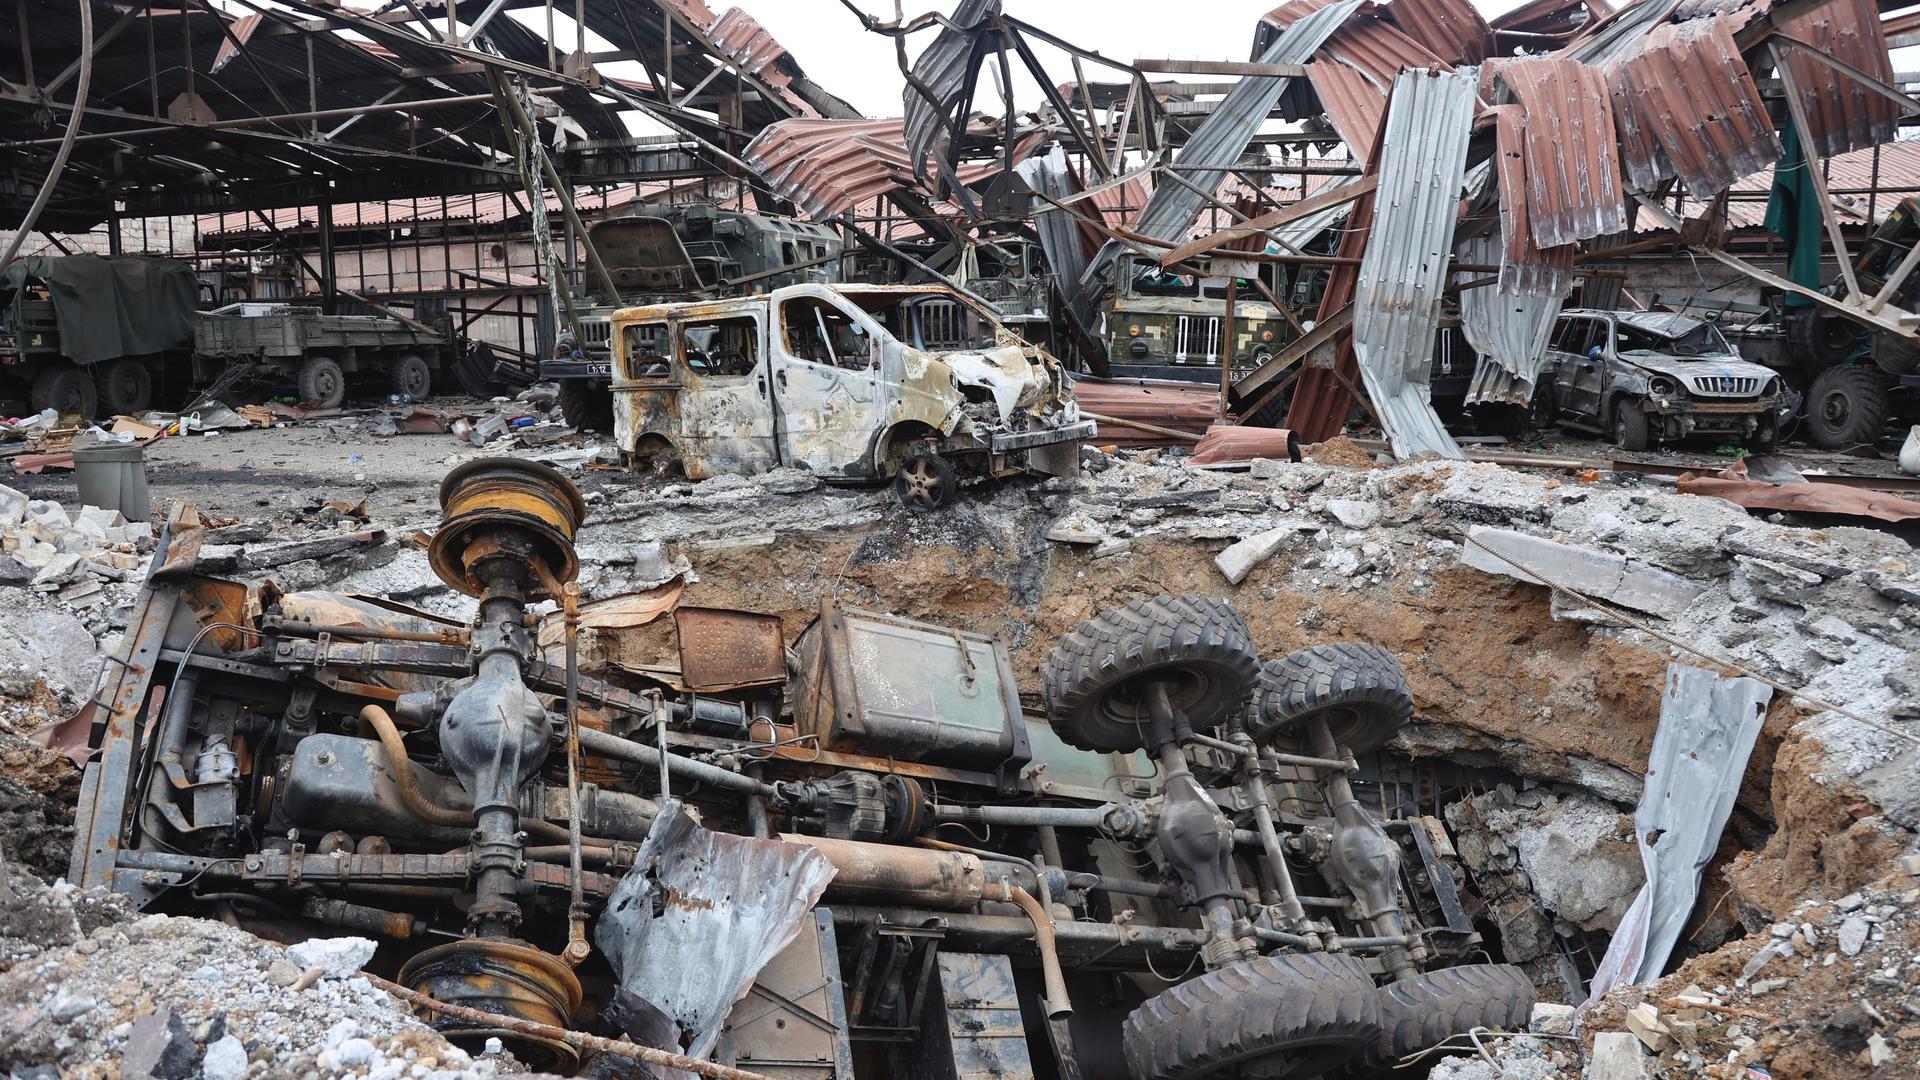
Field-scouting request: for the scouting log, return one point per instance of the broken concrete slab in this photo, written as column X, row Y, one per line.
column 1616, row 1056
column 1599, row 574
column 1076, row 529
column 1238, row 560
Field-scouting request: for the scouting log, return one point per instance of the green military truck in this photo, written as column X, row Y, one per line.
column 89, row 333
column 1166, row 325
column 321, row 354
column 676, row 253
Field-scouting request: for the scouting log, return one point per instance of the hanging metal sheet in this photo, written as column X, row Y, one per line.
column 1061, row 237
column 1508, row 332
column 1707, row 730
column 1451, row 29
column 1572, row 158
column 1687, row 106
column 1423, row 161
column 1525, row 269
column 947, row 68
column 1843, row 114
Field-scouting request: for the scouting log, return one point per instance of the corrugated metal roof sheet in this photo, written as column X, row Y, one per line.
column 1688, row 107
column 1353, row 104
column 1508, row 332
column 1572, row 158
column 1525, row 269
column 1843, row 114
column 828, row 166
column 1423, row 161
column 947, row 68
column 1451, row 29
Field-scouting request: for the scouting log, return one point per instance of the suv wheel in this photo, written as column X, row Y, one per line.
column 925, row 482
column 1630, row 426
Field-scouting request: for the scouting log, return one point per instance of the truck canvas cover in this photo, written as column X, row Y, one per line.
column 112, row 307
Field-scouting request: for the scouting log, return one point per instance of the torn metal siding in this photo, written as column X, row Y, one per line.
column 1352, row 103
column 1451, row 29
column 1708, row 726
column 1843, row 114
column 1508, row 332
column 1423, row 161
column 1061, row 236
column 1224, row 135
column 1687, row 106
column 947, row 68
column 1617, row 33
column 1525, row 268
column 1572, row 157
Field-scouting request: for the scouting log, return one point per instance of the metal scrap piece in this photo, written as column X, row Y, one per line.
column 1688, row 107
column 1509, row 332
column 1423, row 161
column 700, row 914
column 1708, row 726
column 1572, row 157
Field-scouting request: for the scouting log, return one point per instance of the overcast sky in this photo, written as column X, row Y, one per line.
column 843, row 57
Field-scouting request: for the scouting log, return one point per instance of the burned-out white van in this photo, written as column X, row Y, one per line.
column 911, row 383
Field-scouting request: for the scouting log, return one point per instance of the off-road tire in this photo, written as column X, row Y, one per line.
column 1094, row 678
column 1825, row 339
column 412, row 376
column 925, row 482
column 1630, row 426
column 322, row 383
column 1283, row 1017
column 1428, row 1008
column 1846, row 406
column 64, row 388
column 586, row 404
column 1360, row 689
column 123, row 386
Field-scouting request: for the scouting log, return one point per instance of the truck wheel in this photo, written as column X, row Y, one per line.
column 64, row 388
column 1360, row 689
column 411, row 376
column 1630, row 426
column 123, row 386
column 1428, row 1008
column 587, row 405
column 1825, row 338
column 1283, row 1017
column 322, row 383
column 925, row 482
column 1095, row 679
column 1846, row 406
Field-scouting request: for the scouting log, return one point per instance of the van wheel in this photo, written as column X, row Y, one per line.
column 925, row 482
column 411, row 376
column 124, row 386
column 65, row 388
column 322, row 384
column 1630, row 426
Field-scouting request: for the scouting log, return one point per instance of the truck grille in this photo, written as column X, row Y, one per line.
column 1198, row 336
column 596, row 331
column 1725, row 385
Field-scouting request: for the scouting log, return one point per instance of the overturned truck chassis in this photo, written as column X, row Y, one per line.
column 853, row 855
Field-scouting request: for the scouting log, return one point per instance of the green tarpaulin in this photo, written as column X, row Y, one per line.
column 1793, row 214
column 105, row 308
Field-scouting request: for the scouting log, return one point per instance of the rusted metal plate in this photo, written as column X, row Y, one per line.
column 1843, row 114
column 1525, row 269
column 1176, row 406
column 1354, row 105
column 828, row 166
column 1451, row 29
column 1572, row 158
column 1229, row 443
column 1687, row 106
column 725, row 649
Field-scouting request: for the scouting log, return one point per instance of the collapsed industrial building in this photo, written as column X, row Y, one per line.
column 542, row 541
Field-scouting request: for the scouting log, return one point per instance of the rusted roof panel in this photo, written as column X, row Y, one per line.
column 1552, row 18
column 1572, row 160
column 1687, row 106
column 1843, row 114
column 1451, row 29
column 1524, row 268
column 1380, row 51
column 1179, row 406
column 1352, row 102
column 1396, row 310
column 825, row 167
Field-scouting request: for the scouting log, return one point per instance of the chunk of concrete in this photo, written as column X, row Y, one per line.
column 340, row 957
column 1355, row 513
column 49, row 514
column 64, row 567
column 1598, row 574
column 1238, row 560
column 1551, row 1018
column 159, row 1047
column 13, row 507
column 1616, row 1056
column 1076, row 529
column 226, row 1059
column 1645, row 1023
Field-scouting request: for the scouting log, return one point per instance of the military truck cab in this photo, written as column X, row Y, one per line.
column 851, row 383
column 1160, row 324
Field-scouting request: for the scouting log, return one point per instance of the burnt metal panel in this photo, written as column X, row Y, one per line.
column 1843, row 114
column 972, row 1030
column 700, row 914
column 792, row 1025
column 725, row 649
column 1708, row 726
column 1687, row 106
column 1423, row 161
column 947, row 68
column 1572, row 157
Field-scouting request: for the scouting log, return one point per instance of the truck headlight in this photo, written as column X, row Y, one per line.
column 1266, row 335
column 1137, row 347
column 1133, row 331
column 1772, row 388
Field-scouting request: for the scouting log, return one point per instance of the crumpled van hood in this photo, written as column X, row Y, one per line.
column 1003, row 372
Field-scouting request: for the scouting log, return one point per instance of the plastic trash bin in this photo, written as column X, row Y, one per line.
column 113, row 476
